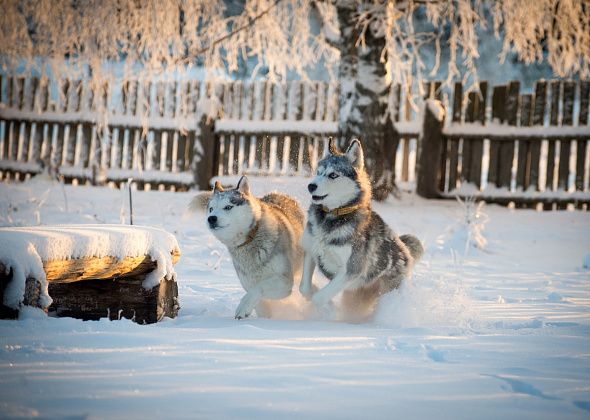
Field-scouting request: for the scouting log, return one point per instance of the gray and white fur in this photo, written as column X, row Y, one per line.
column 263, row 237
column 348, row 242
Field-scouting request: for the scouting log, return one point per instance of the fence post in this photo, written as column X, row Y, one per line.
column 205, row 159
column 431, row 139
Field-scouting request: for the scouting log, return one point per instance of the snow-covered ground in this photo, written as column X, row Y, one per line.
column 498, row 332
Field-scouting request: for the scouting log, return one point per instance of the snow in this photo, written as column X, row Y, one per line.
column 156, row 122
column 24, row 249
column 470, row 189
column 276, row 126
column 495, row 129
column 499, row 331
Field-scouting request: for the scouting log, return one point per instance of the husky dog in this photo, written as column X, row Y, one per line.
column 350, row 244
column 263, row 237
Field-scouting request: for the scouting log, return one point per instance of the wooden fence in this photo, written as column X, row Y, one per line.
column 530, row 149
column 151, row 131
column 497, row 143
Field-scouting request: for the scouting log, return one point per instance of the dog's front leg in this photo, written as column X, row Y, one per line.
column 325, row 295
column 272, row 288
column 305, row 287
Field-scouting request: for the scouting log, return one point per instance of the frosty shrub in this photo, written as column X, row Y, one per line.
column 473, row 222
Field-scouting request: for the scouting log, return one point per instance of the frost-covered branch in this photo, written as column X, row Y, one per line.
column 151, row 37
column 557, row 31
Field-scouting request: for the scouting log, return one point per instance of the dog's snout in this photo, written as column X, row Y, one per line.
column 212, row 220
column 312, row 187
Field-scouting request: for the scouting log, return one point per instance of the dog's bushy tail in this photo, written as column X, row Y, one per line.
column 287, row 205
column 414, row 245
column 199, row 202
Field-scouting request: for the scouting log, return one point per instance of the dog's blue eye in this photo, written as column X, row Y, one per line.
column 228, row 207
column 333, row 175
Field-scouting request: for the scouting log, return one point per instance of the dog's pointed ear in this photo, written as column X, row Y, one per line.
column 217, row 188
column 355, row 155
column 243, row 186
column 332, row 147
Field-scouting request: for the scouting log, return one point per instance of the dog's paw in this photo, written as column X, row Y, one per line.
column 242, row 313
column 245, row 308
column 320, row 300
column 306, row 290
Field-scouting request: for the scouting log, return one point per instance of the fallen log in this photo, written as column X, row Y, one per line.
column 91, row 287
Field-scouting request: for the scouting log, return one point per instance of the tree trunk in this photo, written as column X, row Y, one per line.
column 364, row 100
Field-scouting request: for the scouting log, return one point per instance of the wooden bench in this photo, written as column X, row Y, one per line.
column 89, row 287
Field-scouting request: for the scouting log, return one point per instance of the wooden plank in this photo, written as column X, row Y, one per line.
column 295, row 140
column 118, row 141
column 584, row 102
column 581, row 169
column 34, row 153
column 249, row 143
column 524, row 159
column 9, row 91
column 228, row 155
column 71, row 143
column 569, row 91
column 466, row 157
column 553, row 120
column 146, row 99
column 506, row 152
column 190, row 150
column 161, row 98
column 171, row 99
column 499, row 115
column 22, row 128
column 428, row 173
column 479, row 107
column 397, row 102
column 75, row 96
column 320, row 109
column 248, row 108
column 307, row 155
column 537, row 120
column 309, row 100
column 266, row 153
column 181, row 154
column 238, row 97
column 156, row 149
column 133, row 97
column 46, row 131
column 19, row 92
column 236, row 165
column 454, row 143
column 169, row 150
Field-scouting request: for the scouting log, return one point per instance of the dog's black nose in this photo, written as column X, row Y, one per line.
column 212, row 220
column 312, row 187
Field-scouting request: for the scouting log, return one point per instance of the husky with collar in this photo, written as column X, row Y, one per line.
column 347, row 241
column 263, row 237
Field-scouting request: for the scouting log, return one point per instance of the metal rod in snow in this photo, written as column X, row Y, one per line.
column 129, row 182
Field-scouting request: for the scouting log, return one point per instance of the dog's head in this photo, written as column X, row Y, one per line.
column 231, row 212
column 341, row 179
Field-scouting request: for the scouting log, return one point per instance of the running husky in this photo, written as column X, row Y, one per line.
column 351, row 245
column 263, row 237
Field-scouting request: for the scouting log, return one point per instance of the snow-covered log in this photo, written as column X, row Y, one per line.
column 89, row 271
